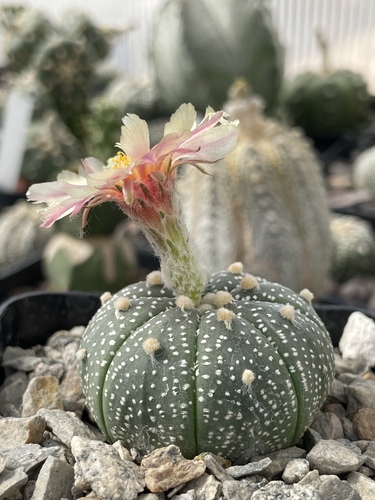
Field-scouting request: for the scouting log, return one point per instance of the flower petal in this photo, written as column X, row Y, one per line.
column 183, row 119
column 135, row 139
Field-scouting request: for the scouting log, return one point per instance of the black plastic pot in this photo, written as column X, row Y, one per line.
column 30, row 318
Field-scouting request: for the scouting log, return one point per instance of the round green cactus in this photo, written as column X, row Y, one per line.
column 353, row 247
column 364, row 171
column 241, row 374
column 201, row 46
column 329, row 103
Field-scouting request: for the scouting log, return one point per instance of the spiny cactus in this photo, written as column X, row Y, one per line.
column 65, row 70
column 364, row 171
column 326, row 104
column 50, row 147
column 353, row 247
column 240, row 375
column 94, row 264
column 228, row 363
column 26, row 30
column 201, row 46
column 266, row 205
column 21, row 237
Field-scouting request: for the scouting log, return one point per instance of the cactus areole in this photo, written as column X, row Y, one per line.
column 229, row 363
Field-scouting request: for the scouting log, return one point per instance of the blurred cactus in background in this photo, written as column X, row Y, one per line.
column 326, row 104
column 201, row 46
column 266, row 205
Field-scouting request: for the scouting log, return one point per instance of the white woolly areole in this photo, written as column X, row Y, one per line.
column 249, row 282
column 150, row 346
column 81, row 354
column 205, row 307
column 226, row 316
column 105, row 297
column 236, row 268
column 248, row 377
column 184, row 302
column 154, row 278
column 209, row 298
column 122, row 303
column 222, row 298
column 307, row 295
column 287, row 311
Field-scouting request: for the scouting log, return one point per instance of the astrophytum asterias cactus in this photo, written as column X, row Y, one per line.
column 230, row 364
column 239, row 375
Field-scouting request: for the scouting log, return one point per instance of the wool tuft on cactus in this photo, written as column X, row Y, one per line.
column 227, row 363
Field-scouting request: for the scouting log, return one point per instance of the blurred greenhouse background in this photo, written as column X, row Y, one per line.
column 348, row 24
column 69, row 71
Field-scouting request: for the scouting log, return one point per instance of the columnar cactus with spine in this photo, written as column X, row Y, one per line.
column 229, row 363
column 266, row 204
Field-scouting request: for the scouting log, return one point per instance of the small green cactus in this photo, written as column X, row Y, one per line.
column 22, row 240
column 326, row 104
column 226, row 363
column 201, row 46
column 95, row 264
column 65, row 70
column 266, row 204
column 50, row 147
column 353, row 247
column 26, row 30
column 239, row 375
column 364, row 171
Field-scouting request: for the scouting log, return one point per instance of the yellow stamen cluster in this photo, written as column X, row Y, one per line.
column 119, row 161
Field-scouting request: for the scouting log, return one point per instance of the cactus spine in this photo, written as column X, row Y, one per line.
column 240, row 374
column 266, row 205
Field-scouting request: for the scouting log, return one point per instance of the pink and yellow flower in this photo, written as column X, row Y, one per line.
column 138, row 174
column 142, row 182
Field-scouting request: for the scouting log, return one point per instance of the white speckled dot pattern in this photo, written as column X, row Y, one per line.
column 191, row 392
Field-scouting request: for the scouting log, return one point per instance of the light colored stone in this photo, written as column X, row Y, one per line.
column 71, row 391
column 43, row 369
column 42, row 392
column 279, row 460
column 333, row 488
column 17, row 431
column 280, row 491
column 28, row 456
column 11, row 393
column 206, row 487
column 123, row 452
column 295, row 470
column 338, row 391
column 364, row 423
column 2, row 463
column 55, row 476
column 312, row 478
column 333, row 457
column 358, row 338
column 239, row 471
column 215, row 467
column 11, row 481
column 361, row 394
column 99, row 466
column 238, row 490
column 166, row 468
column 66, row 425
column 363, row 484
column 328, row 425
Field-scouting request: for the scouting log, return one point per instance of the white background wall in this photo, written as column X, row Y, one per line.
column 348, row 24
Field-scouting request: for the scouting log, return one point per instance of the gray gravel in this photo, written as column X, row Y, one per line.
column 48, row 451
